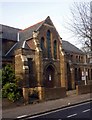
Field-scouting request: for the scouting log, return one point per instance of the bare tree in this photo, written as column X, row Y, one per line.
column 81, row 24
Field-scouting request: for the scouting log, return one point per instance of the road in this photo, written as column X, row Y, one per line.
column 83, row 111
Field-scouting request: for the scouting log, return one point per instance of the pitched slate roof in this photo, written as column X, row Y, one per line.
column 20, row 44
column 12, row 34
column 23, row 36
column 27, row 33
column 68, row 47
column 8, row 33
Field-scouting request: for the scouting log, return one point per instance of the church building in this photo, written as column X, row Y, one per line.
column 42, row 60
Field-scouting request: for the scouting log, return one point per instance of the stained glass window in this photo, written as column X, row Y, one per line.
column 55, row 49
column 48, row 43
column 42, row 47
column 42, row 43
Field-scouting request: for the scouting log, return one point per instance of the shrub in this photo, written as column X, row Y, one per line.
column 8, row 75
column 9, row 87
column 10, row 91
column 13, row 97
column 5, row 90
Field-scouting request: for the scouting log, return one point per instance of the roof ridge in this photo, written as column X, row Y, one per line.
column 71, row 44
column 31, row 26
column 64, row 41
column 10, row 26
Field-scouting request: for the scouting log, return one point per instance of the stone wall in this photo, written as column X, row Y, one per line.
column 19, row 64
column 63, row 70
column 54, row 93
column 45, row 93
column 83, row 89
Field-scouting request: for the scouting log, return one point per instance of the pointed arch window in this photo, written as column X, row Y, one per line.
column 48, row 43
column 42, row 43
column 42, row 46
column 55, row 49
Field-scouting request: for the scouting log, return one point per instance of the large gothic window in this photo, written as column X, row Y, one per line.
column 42, row 43
column 42, row 46
column 48, row 43
column 55, row 49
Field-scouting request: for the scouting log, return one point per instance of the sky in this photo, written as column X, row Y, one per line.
column 22, row 14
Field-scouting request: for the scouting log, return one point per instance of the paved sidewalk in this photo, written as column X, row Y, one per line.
column 38, row 108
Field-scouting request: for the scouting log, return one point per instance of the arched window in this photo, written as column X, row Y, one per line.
column 48, row 43
column 55, row 49
column 42, row 43
column 42, row 46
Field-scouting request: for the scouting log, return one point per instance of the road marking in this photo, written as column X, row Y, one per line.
column 71, row 115
column 54, row 111
column 86, row 110
column 22, row 116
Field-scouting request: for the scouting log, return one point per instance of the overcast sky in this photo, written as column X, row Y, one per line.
column 22, row 14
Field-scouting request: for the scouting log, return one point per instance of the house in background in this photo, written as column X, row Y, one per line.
column 78, row 66
column 44, row 61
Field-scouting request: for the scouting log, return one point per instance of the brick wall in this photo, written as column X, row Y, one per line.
column 54, row 93
column 83, row 89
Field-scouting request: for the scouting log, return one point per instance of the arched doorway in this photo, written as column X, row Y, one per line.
column 49, row 76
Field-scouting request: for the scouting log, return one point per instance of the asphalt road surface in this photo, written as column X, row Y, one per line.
column 80, row 111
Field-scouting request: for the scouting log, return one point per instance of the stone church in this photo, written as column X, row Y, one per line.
column 44, row 61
